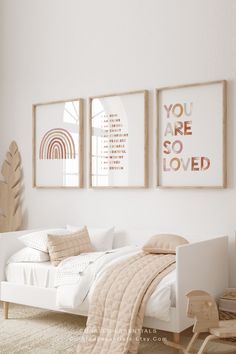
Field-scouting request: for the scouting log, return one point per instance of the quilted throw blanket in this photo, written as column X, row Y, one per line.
column 117, row 309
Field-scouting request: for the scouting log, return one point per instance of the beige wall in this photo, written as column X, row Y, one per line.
column 63, row 49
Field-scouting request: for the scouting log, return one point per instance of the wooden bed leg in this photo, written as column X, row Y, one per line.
column 176, row 339
column 5, row 309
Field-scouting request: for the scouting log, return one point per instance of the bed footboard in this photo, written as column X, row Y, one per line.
column 201, row 265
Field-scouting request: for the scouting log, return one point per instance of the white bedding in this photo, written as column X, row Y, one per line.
column 78, row 276
column 35, row 274
column 76, row 279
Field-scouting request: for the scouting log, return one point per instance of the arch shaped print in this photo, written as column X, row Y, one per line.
column 57, row 144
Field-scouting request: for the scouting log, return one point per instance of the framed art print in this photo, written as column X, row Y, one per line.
column 191, row 141
column 57, row 144
column 118, row 140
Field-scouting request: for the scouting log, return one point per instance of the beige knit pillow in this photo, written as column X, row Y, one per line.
column 164, row 243
column 64, row 246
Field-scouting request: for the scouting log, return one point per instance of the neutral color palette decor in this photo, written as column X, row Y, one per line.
column 119, row 140
column 58, row 144
column 192, row 258
column 191, row 144
column 10, row 191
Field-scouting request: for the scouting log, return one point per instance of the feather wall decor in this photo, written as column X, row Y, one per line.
column 10, row 191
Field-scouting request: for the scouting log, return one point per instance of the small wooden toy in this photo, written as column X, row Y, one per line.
column 202, row 307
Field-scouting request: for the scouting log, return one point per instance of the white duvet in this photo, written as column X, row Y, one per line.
column 76, row 279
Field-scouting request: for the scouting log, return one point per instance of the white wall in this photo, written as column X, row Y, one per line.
column 62, row 49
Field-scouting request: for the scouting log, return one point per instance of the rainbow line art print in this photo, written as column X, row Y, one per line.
column 57, row 144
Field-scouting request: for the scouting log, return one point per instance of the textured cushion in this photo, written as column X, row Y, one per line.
column 68, row 245
column 164, row 243
column 101, row 238
column 39, row 239
column 28, row 254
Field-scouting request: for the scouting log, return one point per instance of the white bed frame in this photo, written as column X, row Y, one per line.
column 200, row 265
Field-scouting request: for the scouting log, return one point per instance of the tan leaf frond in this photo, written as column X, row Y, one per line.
column 3, row 195
column 6, row 170
column 3, row 223
column 16, row 160
column 17, row 190
column 17, row 220
column 13, row 147
column 13, row 158
column 9, row 157
column 10, row 191
column 15, row 178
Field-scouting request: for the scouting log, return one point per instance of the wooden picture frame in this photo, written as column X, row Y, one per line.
column 191, row 135
column 116, row 147
column 58, row 144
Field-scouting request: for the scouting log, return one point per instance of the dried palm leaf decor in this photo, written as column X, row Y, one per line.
column 10, row 191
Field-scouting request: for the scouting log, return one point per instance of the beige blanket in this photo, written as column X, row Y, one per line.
column 118, row 304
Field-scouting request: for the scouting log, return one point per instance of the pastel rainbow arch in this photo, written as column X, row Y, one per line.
column 57, row 144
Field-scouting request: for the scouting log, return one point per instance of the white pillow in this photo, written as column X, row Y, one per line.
column 101, row 238
column 28, row 254
column 39, row 239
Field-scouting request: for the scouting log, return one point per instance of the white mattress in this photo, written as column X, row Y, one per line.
column 43, row 275
column 36, row 274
